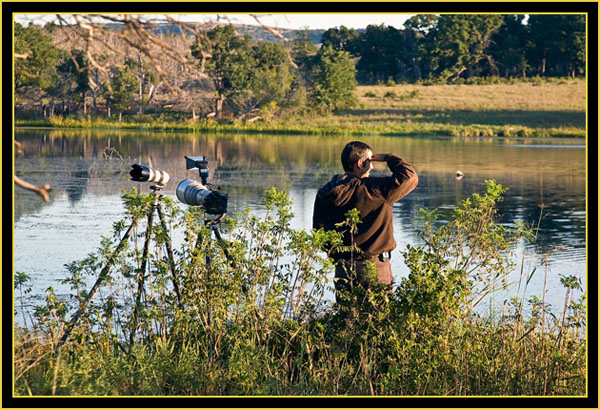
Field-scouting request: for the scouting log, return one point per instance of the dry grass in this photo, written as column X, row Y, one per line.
column 535, row 97
column 521, row 109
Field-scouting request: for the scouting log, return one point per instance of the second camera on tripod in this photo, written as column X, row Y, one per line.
column 202, row 194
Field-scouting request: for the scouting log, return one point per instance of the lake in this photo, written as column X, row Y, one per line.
column 89, row 169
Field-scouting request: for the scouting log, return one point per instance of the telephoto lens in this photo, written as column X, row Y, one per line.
column 142, row 173
column 192, row 192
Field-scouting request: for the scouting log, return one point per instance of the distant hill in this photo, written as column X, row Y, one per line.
column 260, row 34
column 256, row 32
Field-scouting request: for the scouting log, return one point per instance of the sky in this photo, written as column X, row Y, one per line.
column 294, row 21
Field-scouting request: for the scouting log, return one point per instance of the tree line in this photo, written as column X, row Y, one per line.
column 211, row 70
column 449, row 47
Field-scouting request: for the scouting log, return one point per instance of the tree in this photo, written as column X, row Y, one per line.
column 35, row 65
column 121, row 89
column 461, row 42
column 572, row 43
column 75, row 68
column 342, row 39
column 333, row 80
column 419, row 43
column 272, row 75
column 509, row 45
column 35, row 58
column 380, row 49
column 229, row 65
column 557, row 43
column 147, row 81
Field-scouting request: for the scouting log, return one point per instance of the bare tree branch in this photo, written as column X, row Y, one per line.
column 271, row 30
column 43, row 191
column 277, row 34
column 107, row 40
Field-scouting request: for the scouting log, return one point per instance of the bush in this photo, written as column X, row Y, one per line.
column 250, row 316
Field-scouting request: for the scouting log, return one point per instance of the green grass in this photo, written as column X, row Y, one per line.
column 521, row 109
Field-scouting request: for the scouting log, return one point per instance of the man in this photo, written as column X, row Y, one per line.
column 373, row 197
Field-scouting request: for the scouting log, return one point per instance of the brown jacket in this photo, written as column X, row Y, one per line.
column 373, row 197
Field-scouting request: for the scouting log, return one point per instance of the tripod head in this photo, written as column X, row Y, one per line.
column 156, row 188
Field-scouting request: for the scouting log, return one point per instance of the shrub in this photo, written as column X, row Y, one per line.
column 250, row 317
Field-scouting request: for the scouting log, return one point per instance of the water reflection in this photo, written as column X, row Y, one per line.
column 546, row 183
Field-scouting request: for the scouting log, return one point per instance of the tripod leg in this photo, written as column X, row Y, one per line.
column 199, row 243
column 170, row 254
column 142, row 273
column 94, row 289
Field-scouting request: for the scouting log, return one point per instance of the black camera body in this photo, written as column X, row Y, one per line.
column 202, row 194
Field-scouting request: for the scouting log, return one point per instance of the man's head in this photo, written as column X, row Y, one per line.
column 356, row 159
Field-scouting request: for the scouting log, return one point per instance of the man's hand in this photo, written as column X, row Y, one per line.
column 378, row 157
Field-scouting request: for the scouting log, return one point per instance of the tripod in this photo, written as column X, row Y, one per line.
column 106, row 269
column 142, row 271
column 215, row 228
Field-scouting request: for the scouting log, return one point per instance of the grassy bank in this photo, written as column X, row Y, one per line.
column 522, row 109
column 246, row 322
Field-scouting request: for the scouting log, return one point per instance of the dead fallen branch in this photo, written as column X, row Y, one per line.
column 43, row 191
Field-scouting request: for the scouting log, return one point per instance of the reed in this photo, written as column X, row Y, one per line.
column 253, row 320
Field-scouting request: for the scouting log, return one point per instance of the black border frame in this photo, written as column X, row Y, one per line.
column 590, row 8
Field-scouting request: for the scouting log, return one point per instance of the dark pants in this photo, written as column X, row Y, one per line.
column 350, row 275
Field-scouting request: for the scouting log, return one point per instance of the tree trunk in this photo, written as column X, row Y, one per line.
column 543, row 65
column 219, row 105
column 141, row 88
column 120, row 116
column 493, row 67
column 94, row 90
column 151, row 93
column 416, row 69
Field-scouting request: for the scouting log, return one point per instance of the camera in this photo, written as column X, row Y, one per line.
column 142, row 173
column 202, row 194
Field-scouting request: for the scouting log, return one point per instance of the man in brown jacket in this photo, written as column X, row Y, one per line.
column 373, row 197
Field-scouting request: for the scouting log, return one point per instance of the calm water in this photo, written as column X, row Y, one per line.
column 88, row 171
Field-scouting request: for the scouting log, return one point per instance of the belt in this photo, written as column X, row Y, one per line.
column 385, row 256
column 382, row 257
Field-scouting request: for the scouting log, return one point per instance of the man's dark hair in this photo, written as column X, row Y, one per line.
column 353, row 151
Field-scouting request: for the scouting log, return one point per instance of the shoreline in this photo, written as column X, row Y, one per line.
column 506, row 133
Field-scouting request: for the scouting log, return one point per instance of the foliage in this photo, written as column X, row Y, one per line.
column 252, row 319
column 342, row 39
column 272, row 74
column 230, row 63
column 557, row 44
column 509, row 46
column 383, row 53
column 462, row 261
column 75, row 70
column 460, row 42
column 334, row 80
column 240, row 76
column 37, row 66
column 120, row 90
